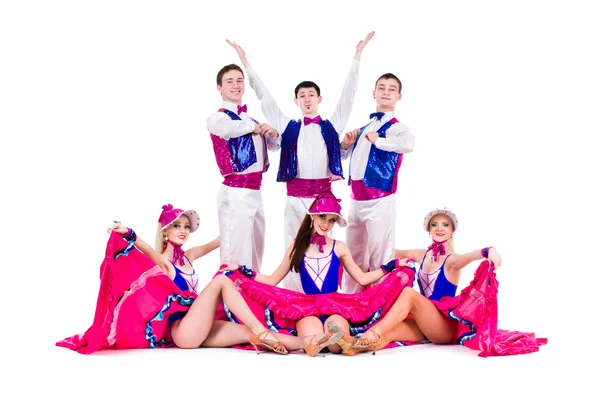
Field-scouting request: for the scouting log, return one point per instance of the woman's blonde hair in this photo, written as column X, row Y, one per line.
column 160, row 244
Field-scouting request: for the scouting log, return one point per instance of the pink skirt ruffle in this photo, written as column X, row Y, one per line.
column 134, row 302
column 279, row 309
column 476, row 310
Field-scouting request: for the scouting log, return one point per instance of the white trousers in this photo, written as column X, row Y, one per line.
column 242, row 226
column 370, row 236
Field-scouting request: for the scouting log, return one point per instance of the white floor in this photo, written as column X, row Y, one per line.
column 426, row 371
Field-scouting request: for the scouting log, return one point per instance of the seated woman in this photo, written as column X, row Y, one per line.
column 317, row 262
column 433, row 313
column 194, row 326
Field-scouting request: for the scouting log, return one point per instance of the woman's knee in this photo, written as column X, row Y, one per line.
column 309, row 325
column 310, row 320
column 408, row 296
column 221, row 281
column 338, row 319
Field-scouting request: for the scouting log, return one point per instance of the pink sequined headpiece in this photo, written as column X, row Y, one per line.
column 327, row 203
column 170, row 214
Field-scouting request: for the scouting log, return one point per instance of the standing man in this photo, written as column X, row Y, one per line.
column 240, row 144
column 310, row 156
column 376, row 152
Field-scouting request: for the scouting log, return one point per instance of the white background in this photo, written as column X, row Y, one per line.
column 103, row 108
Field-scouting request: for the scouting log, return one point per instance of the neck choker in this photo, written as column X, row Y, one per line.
column 319, row 240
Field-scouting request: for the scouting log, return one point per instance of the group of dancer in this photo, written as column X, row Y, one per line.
column 326, row 294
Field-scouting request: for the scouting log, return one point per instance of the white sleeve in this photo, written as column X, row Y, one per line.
column 398, row 139
column 344, row 107
column 269, row 106
column 346, row 153
column 221, row 125
column 273, row 144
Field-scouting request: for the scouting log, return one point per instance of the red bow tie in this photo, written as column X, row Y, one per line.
column 242, row 109
column 315, row 120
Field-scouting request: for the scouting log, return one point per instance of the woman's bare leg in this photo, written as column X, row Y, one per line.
column 429, row 320
column 309, row 327
column 405, row 331
column 227, row 334
column 194, row 328
column 344, row 327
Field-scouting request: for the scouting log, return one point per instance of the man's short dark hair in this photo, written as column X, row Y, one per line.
column 307, row 84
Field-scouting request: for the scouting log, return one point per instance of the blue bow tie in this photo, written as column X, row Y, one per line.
column 377, row 115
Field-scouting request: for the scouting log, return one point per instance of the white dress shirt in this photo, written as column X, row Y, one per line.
column 313, row 162
column 222, row 125
column 398, row 139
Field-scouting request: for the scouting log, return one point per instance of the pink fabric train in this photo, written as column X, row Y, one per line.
column 476, row 309
column 134, row 302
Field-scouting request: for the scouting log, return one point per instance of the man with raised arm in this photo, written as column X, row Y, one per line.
column 240, row 144
column 310, row 156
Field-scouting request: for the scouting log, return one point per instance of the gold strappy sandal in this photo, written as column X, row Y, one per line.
column 261, row 340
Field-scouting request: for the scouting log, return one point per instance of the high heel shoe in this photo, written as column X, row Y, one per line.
column 261, row 340
column 314, row 348
column 345, row 341
column 369, row 345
